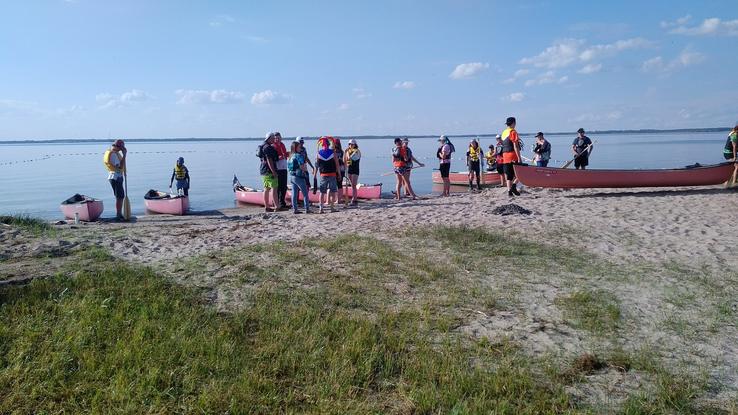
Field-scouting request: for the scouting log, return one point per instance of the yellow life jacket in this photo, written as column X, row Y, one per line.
column 474, row 153
column 110, row 166
column 180, row 172
column 490, row 156
column 350, row 153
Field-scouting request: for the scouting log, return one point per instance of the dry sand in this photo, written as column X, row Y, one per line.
column 663, row 228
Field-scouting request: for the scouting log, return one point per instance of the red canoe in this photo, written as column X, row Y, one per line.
column 88, row 208
column 569, row 178
column 170, row 204
column 461, row 178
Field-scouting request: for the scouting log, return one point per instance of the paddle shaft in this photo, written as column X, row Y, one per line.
column 586, row 149
column 126, row 201
column 392, row 172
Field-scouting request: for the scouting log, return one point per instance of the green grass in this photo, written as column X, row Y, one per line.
column 125, row 340
column 594, row 310
column 26, row 222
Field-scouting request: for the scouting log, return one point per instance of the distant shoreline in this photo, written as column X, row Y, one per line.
column 362, row 137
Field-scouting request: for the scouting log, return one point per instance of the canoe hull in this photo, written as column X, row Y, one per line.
column 256, row 197
column 461, row 178
column 551, row 177
column 250, row 197
column 172, row 206
column 88, row 210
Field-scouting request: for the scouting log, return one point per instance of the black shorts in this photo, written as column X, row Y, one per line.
column 509, row 170
column 445, row 168
column 500, row 168
column 581, row 161
column 474, row 166
column 117, row 185
column 339, row 181
column 353, row 169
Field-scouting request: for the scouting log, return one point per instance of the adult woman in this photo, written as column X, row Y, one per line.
column 352, row 157
column 399, row 163
column 444, row 160
column 542, row 151
column 115, row 163
column 473, row 161
column 297, row 167
column 409, row 167
column 341, row 173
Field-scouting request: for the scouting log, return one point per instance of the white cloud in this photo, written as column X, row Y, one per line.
column 514, row 97
column 221, row 20
column 216, row 96
column 678, row 22
column 548, row 77
column 361, row 93
column 686, row 58
column 570, row 51
column 108, row 100
column 404, row 85
column 709, row 27
column 343, row 107
column 517, row 75
column 269, row 97
column 590, row 68
column 468, row 70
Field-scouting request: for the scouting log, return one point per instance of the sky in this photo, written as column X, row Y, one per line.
column 158, row 69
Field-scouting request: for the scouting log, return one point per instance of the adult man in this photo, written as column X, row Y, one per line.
column 282, row 156
column 268, row 170
column 326, row 163
column 115, row 162
column 510, row 155
column 542, row 151
column 582, row 148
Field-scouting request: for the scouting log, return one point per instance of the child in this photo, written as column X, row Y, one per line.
column 182, row 175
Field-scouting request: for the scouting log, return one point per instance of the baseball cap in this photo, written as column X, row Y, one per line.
column 540, row 134
column 352, row 141
column 581, row 130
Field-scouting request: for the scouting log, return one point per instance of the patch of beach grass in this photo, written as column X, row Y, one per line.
column 596, row 311
column 26, row 222
column 125, row 340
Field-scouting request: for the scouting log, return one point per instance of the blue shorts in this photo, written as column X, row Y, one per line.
column 328, row 183
column 182, row 184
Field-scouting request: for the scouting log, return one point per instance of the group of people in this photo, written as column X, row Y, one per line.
column 332, row 165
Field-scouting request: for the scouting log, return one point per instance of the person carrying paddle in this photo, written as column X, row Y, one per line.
column 473, row 162
column 542, row 151
column 731, row 145
column 409, row 166
column 115, row 162
column 582, row 149
column 268, row 170
column 182, row 175
column 445, row 149
column 510, row 155
column 399, row 164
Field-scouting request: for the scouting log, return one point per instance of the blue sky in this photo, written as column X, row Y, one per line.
column 132, row 69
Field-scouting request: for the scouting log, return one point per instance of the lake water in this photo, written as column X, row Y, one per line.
column 35, row 178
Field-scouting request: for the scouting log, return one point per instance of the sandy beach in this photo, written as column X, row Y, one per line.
column 666, row 255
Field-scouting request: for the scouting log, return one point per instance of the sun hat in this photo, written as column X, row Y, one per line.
column 352, row 141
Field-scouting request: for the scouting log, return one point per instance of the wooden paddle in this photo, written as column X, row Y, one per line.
column 126, row 202
column 731, row 181
column 568, row 163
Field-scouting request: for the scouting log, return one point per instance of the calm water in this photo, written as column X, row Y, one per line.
column 34, row 178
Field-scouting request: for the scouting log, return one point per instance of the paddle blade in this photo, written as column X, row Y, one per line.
column 126, row 208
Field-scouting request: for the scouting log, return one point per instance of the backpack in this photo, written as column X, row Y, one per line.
column 260, row 152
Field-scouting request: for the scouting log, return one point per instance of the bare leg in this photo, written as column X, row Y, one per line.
column 354, row 178
column 118, row 207
column 398, row 186
column 408, row 186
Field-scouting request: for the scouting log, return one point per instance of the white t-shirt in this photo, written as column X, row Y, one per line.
column 115, row 161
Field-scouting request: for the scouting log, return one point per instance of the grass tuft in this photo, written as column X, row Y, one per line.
column 26, row 222
column 594, row 310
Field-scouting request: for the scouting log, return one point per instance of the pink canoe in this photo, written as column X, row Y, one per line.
column 249, row 196
column 88, row 208
column 169, row 204
column 461, row 178
column 363, row 191
column 569, row 178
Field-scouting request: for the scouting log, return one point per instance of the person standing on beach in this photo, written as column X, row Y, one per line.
column 444, row 160
column 297, row 167
column 510, row 155
column 542, row 151
column 281, row 170
column 268, row 170
column 304, row 153
column 115, row 162
column 473, row 162
column 399, row 164
column 326, row 163
column 341, row 194
column 582, row 148
column 352, row 158
column 499, row 160
column 409, row 166
column 182, row 175
column 731, row 145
